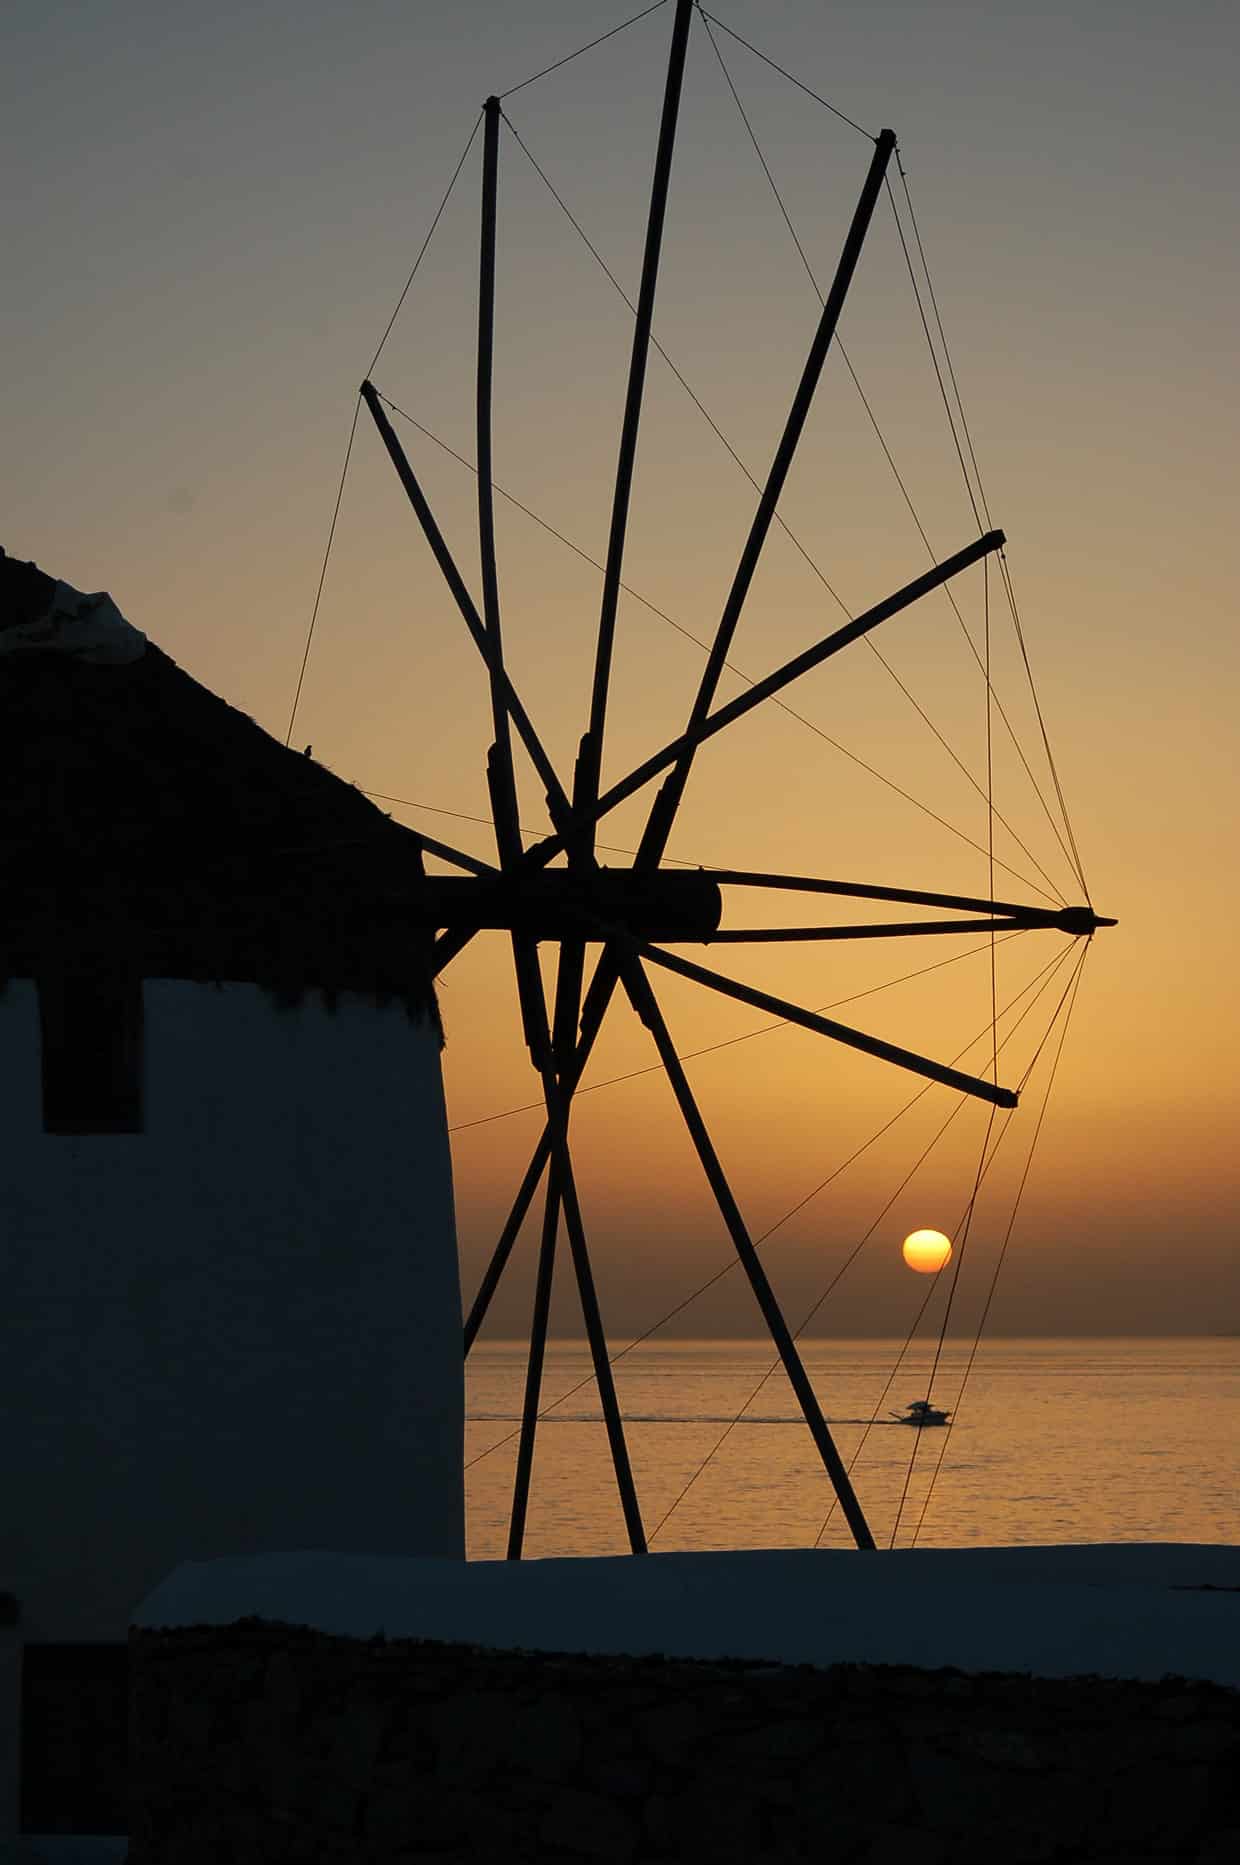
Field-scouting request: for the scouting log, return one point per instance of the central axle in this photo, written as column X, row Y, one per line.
column 556, row 904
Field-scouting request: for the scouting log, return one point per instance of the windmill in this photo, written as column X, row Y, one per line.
column 631, row 915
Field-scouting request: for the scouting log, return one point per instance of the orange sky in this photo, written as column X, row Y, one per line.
column 208, row 251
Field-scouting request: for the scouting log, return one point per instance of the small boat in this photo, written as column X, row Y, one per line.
column 920, row 1412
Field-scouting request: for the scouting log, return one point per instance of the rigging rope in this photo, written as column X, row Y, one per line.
column 712, row 20
column 965, row 1229
column 548, row 69
column 1046, row 743
column 530, row 835
column 1054, row 1017
column 413, row 271
column 813, row 566
column 765, row 1029
column 1069, row 989
column 1040, row 979
column 1072, row 853
column 934, row 358
column 318, row 594
column 856, row 1251
column 947, row 358
column 870, row 769
column 348, row 452
column 981, row 1163
column 1007, row 1238
column 947, row 591
column 879, row 1403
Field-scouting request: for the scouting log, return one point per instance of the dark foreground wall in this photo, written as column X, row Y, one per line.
column 259, row 1744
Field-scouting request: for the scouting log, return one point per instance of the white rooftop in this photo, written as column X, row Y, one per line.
column 1131, row 1610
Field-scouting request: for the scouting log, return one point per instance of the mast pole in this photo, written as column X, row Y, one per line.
column 587, row 775
column 503, row 787
column 586, row 790
column 561, row 1192
column 557, row 801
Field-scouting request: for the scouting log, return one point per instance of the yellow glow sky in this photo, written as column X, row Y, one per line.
column 220, row 206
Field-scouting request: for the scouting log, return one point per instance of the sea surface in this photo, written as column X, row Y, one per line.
column 1051, row 1441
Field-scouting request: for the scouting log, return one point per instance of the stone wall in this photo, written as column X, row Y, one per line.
column 261, row 1744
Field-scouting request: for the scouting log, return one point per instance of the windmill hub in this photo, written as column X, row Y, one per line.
column 557, row 904
column 1082, row 921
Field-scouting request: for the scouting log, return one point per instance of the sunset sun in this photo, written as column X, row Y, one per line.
column 927, row 1251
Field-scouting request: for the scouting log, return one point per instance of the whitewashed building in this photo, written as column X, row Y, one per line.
column 231, row 1317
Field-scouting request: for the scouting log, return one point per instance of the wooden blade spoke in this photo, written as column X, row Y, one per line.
column 792, row 935
column 557, row 801
column 644, row 1003
column 598, row 998
column 502, row 779
column 456, row 857
column 825, row 1026
column 659, row 825
column 534, row 1368
column 910, row 896
column 698, row 734
column 543, row 852
column 508, row 1237
column 586, row 786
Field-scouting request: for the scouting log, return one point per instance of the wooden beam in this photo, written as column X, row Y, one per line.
column 825, row 1026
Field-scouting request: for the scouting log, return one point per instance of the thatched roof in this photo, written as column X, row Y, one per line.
column 144, row 820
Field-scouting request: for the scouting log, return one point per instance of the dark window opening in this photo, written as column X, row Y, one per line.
column 91, row 1028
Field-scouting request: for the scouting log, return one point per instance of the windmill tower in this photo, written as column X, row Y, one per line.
column 231, row 1318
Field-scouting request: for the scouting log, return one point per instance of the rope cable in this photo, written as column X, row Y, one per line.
column 853, row 758
column 764, row 1029
column 882, row 1398
column 568, row 59
column 1051, row 969
column 793, row 539
column 951, row 1297
column 1046, row 743
column 1067, row 851
column 331, row 534
column 938, row 373
column 1054, row 1018
column 530, row 835
column 1007, row 1238
column 987, row 1163
column 318, row 594
column 869, row 642
column 1040, row 979
column 1071, row 853
column 425, row 243
column 713, row 20
column 981, row 1163
column 776, row 1363
column 851, row 1257
column 947, row 357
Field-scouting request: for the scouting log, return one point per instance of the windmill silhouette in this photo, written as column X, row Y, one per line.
column 632, row 913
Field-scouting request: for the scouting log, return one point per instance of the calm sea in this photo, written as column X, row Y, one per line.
column 1054, row 1441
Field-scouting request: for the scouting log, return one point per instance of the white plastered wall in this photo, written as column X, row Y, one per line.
column 239, row 1331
